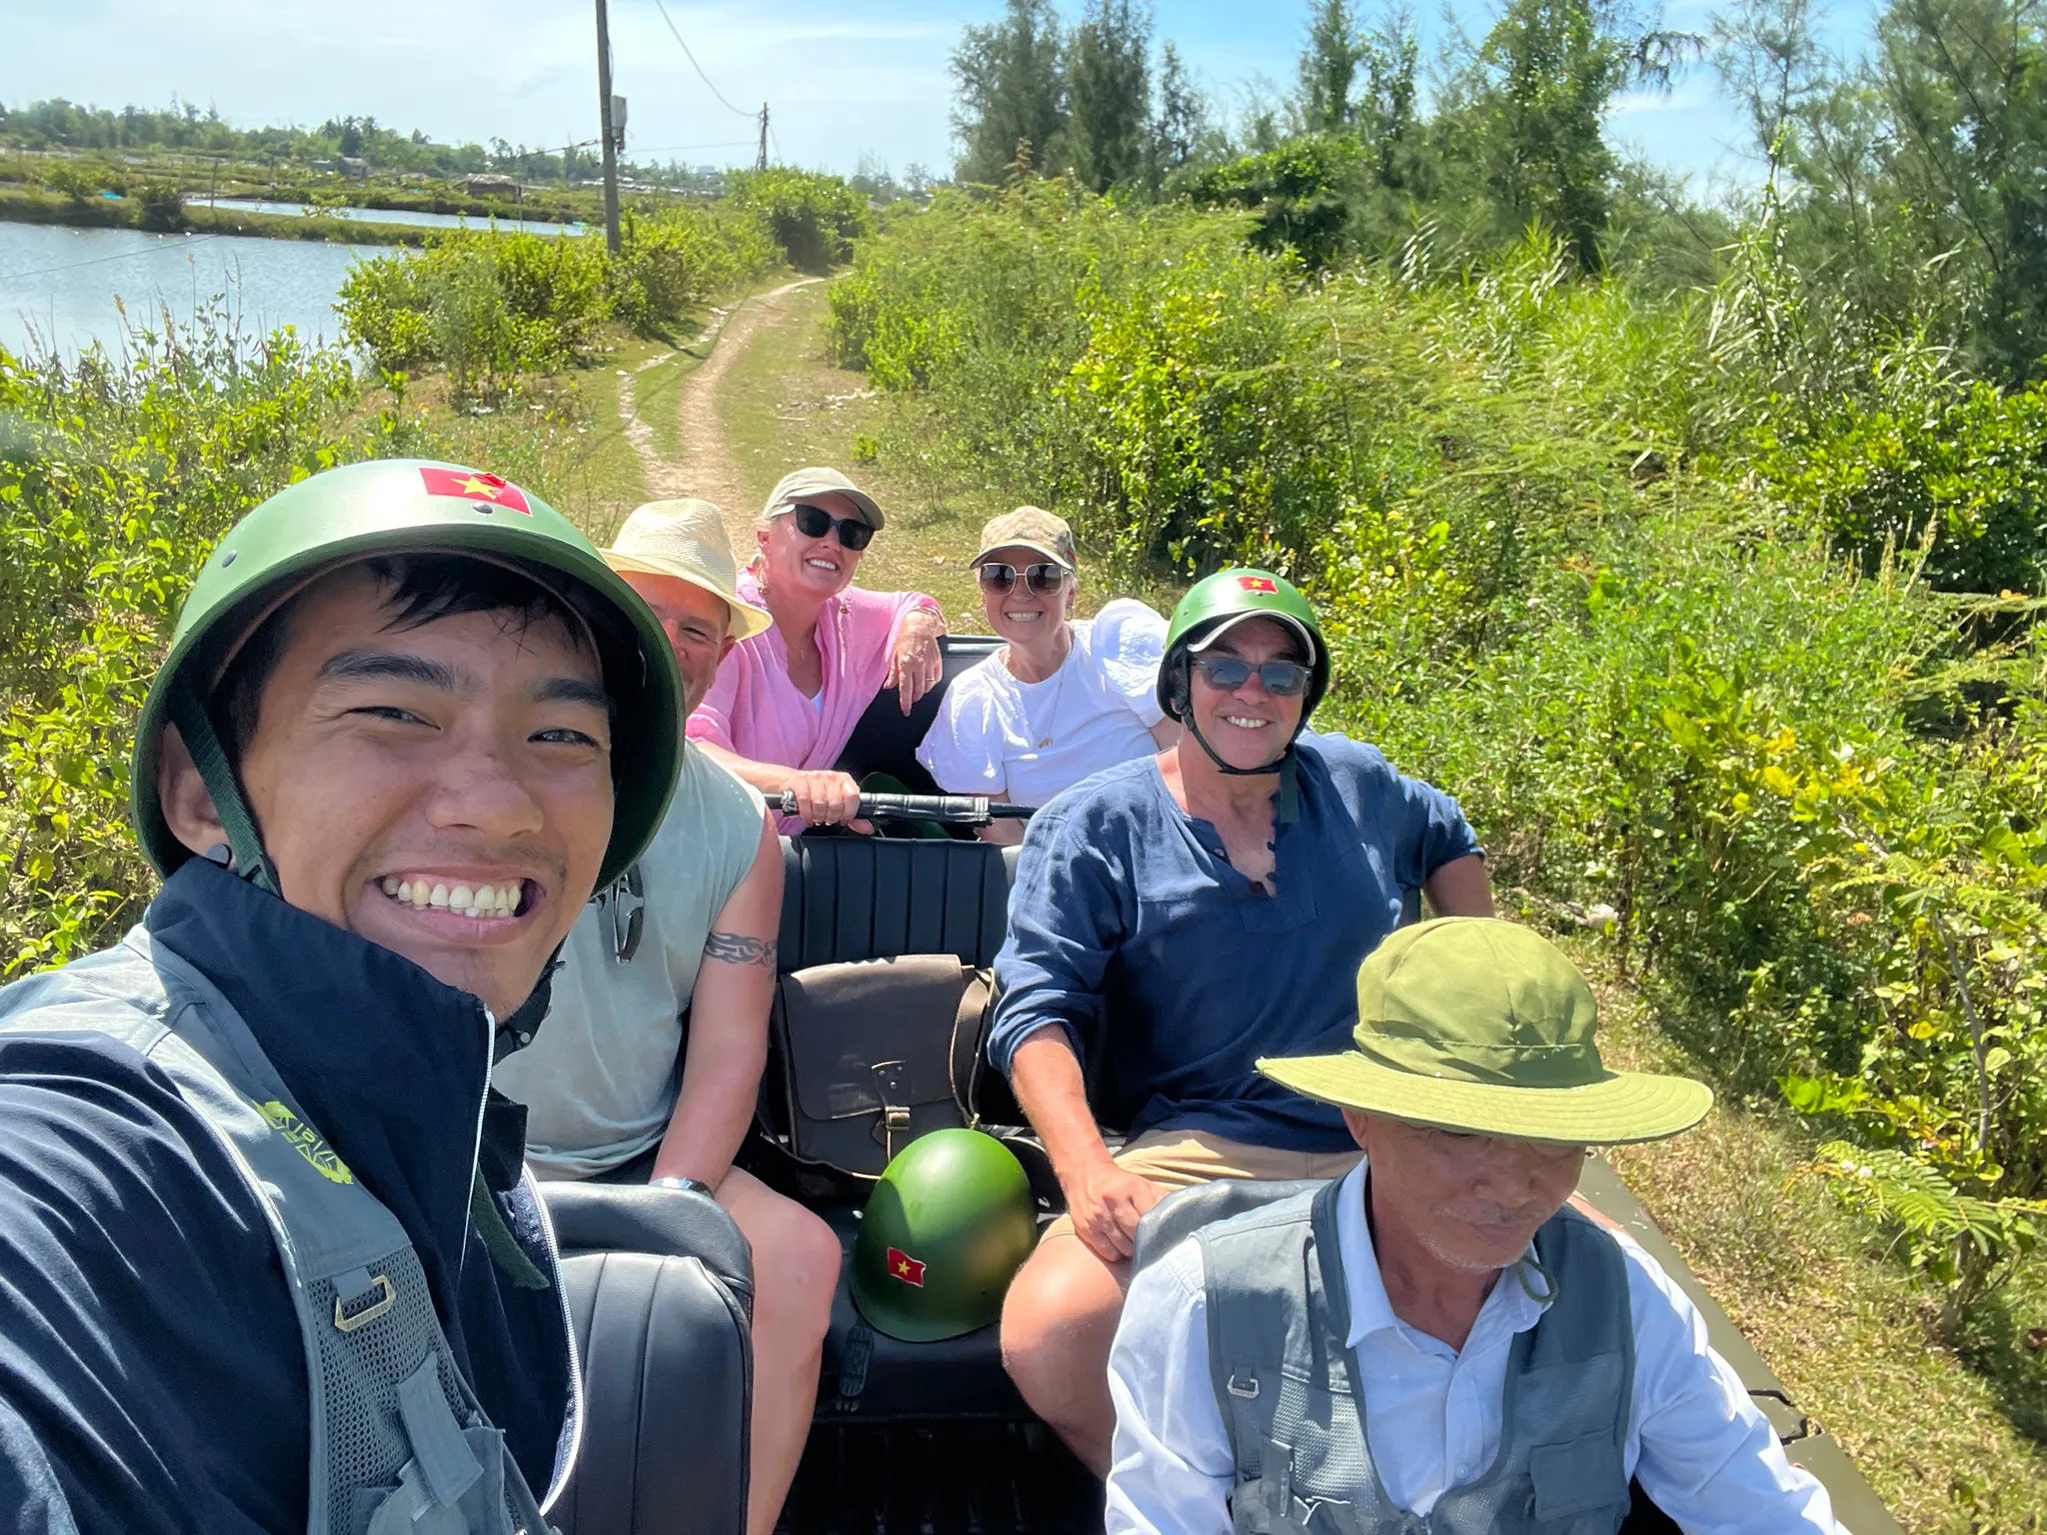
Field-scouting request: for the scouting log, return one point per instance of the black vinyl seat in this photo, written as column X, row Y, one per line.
column 848, row 898
column 660, row 1290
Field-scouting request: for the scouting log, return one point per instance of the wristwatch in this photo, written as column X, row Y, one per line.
column 687, row 1185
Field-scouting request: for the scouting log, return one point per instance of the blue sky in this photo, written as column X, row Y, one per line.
column 842, row 78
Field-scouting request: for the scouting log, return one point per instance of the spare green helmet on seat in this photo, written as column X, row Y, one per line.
column 395, row 507
column 948, row 1225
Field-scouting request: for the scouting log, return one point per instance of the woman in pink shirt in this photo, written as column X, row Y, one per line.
column 786, row 701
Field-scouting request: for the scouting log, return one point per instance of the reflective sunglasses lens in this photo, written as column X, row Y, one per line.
column 1283, row 679
column 811, row 521
column 1045, row 579
column 998, row 577
column 1224, row 673
column 855, row 534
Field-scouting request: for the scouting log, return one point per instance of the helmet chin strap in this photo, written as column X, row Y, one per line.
column 245, row 843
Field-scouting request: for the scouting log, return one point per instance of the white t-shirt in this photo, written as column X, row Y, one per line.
column 1027, row 741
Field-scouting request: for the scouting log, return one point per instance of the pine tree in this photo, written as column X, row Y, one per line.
column 1108, row 93
column 1329, row 66
column 1012, row 89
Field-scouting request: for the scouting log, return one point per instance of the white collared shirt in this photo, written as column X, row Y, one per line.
column 1433, row 1413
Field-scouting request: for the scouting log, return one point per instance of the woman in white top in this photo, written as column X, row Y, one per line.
column 1062, row 699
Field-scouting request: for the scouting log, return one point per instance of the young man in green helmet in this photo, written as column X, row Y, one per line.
column 267, row 1258
column 1434, row 1341
column 1171, row 920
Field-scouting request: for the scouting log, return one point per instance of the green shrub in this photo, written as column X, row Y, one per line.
column 116, row 477
column 814, row 218
column 1296, row 190
column 490, row 306
column 163, row 207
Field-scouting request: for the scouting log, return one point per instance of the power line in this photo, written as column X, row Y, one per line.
column 693, row 64
column 72, row 266
column 664, row 149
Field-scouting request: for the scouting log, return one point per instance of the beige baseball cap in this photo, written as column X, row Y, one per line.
column 1033, row 528
column 803, row 484
column 686, row 540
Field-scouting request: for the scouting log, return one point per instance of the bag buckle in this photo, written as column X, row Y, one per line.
column 895, row 1114
column 1247, row 1390
column 368, row 1299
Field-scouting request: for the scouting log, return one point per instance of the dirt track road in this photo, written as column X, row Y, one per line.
column 708, row 466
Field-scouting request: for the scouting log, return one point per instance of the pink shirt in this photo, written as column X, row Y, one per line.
column 753, row 708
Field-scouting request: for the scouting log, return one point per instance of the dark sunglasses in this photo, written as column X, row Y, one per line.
column 815, row 522
column 1042, row 579
column 1282, row 679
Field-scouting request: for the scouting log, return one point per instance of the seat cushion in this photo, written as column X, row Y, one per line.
column 667, row 1388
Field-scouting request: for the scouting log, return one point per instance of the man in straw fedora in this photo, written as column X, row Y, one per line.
column 613, row 1090
column 1435, row 1341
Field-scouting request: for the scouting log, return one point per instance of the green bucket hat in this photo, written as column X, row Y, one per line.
column 1484, row 1027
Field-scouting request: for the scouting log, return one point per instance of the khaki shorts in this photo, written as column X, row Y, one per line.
column 1179, row 1159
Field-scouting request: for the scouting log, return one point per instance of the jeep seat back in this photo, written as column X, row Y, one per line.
column 660, row 1288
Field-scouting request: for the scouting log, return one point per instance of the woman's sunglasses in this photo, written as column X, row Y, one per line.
column 1042, row 579
column 815, row 522
column 1282, row 679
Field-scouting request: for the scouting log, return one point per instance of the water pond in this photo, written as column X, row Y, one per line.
column 63, row 287
column 402, row 216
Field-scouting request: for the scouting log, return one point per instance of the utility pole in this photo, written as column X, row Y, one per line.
column 761, row 162
column 604, row 123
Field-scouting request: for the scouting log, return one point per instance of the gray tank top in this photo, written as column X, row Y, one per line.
column 599, row 1079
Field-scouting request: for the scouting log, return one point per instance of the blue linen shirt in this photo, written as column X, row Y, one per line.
column 1172, row 974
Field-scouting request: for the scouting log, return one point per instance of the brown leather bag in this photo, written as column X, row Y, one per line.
column 866, row 1056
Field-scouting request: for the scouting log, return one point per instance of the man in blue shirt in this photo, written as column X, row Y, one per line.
column 1173, row 920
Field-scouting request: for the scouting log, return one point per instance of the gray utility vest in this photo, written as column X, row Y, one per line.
column 1294, row 1399
column 399, row 1444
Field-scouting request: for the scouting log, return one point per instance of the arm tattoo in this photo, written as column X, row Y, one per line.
column 737, row 949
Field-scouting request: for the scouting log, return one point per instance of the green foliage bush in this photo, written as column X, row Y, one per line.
column 489, row 306
column 163, row 207
column 1298, row 192
column 814, row 218
column 116, row 476
column 1581, row 551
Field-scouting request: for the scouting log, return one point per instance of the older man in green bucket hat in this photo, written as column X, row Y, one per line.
column 1436, row 1341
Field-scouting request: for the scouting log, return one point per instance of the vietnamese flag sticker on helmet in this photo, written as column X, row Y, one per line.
column 904, row 1267
column 1257, row 584
column 474, row 485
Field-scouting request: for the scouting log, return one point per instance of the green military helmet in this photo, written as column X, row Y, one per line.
column 399, row 506
column 1221, row 601
column 945, row 1230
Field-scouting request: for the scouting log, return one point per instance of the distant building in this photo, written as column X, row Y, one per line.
column 486, row 185
column 354, row 165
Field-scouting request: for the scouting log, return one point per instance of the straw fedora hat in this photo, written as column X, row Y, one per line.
column 1481, row 1026
column 686, row 540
